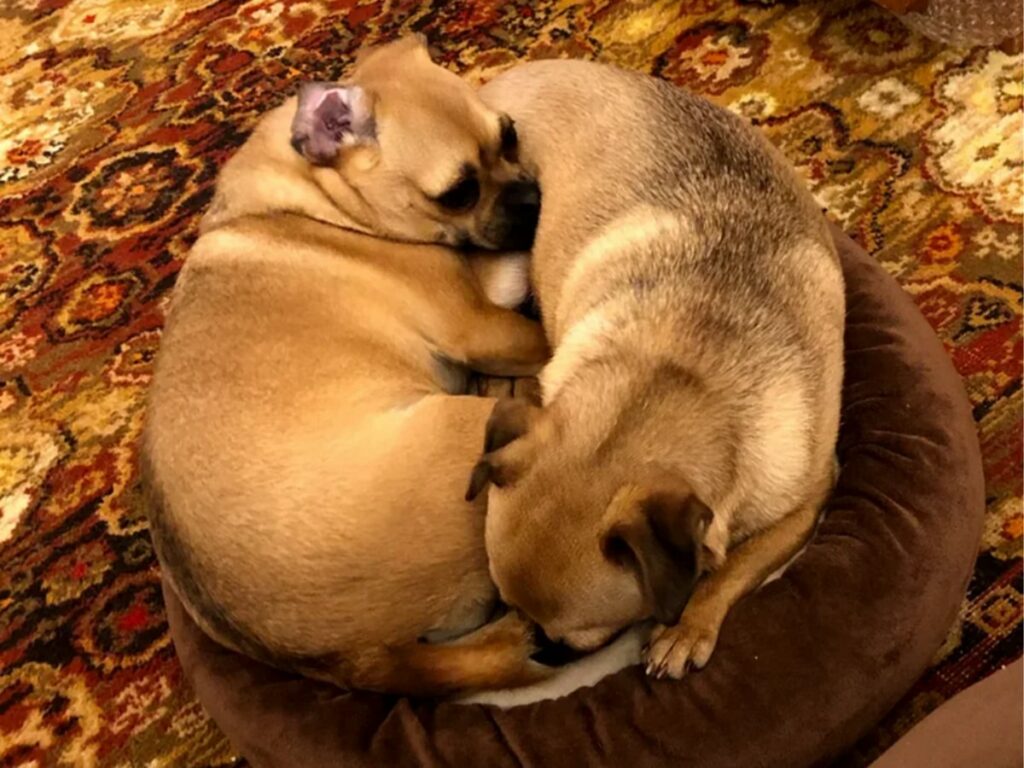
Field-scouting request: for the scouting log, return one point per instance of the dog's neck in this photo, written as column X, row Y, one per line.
column 267, row 176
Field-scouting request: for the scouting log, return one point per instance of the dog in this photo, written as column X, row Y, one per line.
column 695, row 305
column 307, row 434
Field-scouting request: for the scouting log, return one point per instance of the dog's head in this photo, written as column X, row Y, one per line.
column 410, row 148
column 584, row 548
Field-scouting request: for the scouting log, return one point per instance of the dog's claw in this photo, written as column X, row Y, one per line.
column 682, row 648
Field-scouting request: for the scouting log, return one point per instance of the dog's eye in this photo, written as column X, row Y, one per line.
column 509, row 138
column 462, row 196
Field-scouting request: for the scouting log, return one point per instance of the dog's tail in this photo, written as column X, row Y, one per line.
column 495, row 656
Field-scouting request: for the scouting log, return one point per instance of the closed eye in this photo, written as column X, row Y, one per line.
column 461, row 196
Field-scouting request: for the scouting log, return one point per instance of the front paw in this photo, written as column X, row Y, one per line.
column 673, row 650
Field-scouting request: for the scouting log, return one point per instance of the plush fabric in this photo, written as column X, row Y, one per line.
column 802, row 668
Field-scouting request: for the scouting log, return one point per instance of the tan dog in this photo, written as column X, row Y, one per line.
column 695, row 304
column 307, row 444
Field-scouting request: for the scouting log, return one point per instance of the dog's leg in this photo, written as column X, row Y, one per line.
column 692, row 640
column 500, row 342
column 477, row 332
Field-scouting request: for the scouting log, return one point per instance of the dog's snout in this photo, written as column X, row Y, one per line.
column 519, row 205
column 553, row 652
column 543, row 638
column 521, row 195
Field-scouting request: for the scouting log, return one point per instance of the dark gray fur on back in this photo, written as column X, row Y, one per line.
column 683, row 154
column 672, row 232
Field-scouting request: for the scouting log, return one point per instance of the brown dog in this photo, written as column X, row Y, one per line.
column 307, row 439
column 695, row 304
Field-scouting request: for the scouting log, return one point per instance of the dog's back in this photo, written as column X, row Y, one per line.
column 673, row 232
column 304, row 458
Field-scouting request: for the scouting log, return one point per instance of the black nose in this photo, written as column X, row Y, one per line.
column 521, row 194
column 552, row 654
column 520, row 203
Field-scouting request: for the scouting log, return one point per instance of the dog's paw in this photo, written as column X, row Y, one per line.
column 673, row 650
column 512, row 631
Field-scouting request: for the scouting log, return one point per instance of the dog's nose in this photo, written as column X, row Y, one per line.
column 521, row 195
column 551, row 652
column 520, row 203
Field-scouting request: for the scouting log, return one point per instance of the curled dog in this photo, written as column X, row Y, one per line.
column 307, row 435
column 695, row 305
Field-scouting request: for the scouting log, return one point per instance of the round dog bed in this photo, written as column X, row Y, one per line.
column 802, row 668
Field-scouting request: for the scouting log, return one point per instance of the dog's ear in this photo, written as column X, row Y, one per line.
column 330, row 116
column 415, row 40
column 501, row 463
column 659, row 531
column 415, row 44
column 510, row 420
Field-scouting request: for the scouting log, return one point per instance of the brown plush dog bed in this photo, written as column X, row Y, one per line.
column 802, row 668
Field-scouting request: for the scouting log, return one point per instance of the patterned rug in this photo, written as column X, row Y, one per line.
column 114, row 118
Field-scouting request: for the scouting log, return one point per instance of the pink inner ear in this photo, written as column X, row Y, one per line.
column 325, row 118
column 331, row 93
column 334, row 115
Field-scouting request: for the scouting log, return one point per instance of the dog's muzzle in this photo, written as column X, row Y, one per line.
column 516, row 215
column 552, row 654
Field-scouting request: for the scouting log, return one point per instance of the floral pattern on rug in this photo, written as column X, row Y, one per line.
column 114, row 118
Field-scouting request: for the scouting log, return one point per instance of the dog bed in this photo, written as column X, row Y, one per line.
column 802, row 668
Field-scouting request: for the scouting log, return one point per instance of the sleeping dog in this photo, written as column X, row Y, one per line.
column 694, row 301
column 307, row 437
